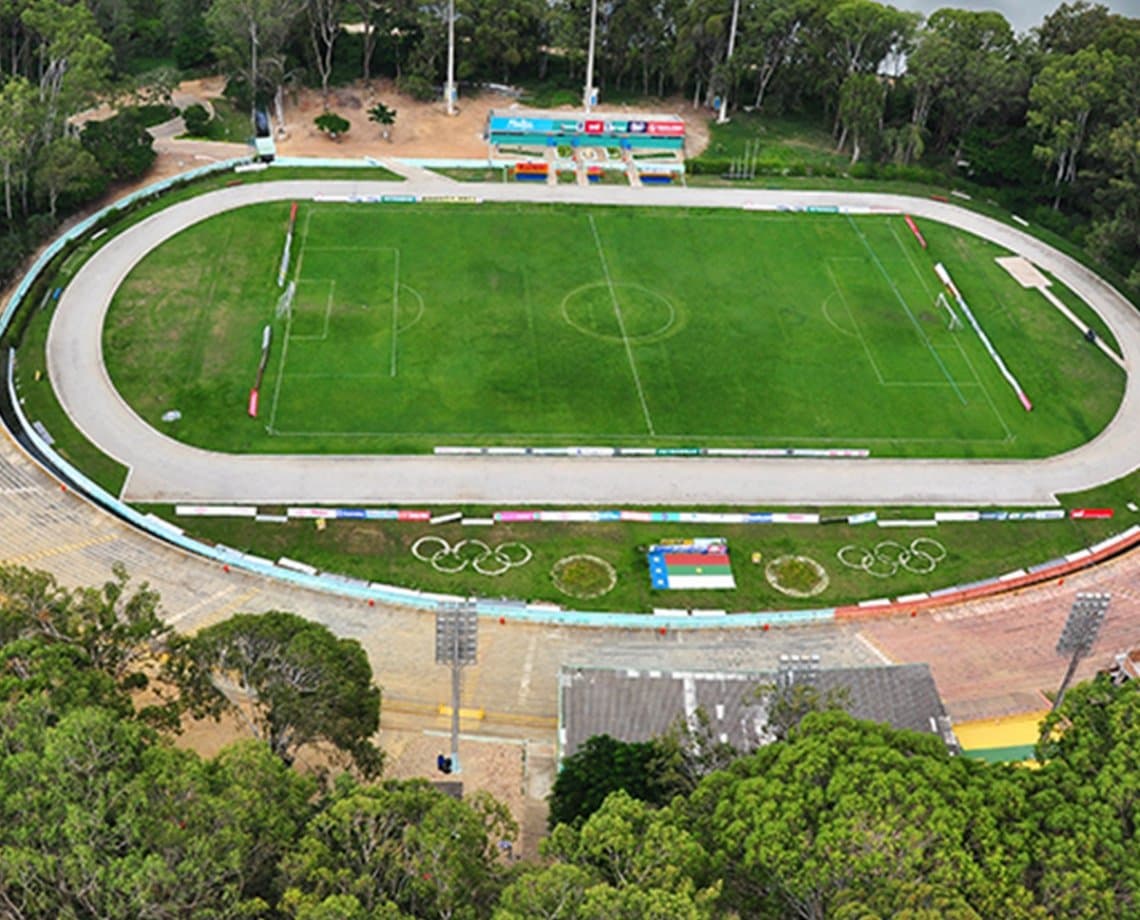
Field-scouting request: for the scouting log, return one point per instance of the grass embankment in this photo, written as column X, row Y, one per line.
column 381, row 551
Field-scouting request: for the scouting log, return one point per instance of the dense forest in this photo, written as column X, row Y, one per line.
column 103, row 817
column 1048, row 121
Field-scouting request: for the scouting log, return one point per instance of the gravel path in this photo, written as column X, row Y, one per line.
column 164, row 470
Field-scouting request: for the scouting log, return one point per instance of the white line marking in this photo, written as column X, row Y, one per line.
column 854, row 322
column 906, row 306
column 395, row 306
column 621, row 323
column 528, row 668
column 874, row 649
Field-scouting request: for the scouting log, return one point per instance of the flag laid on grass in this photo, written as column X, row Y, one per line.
column 692, row 565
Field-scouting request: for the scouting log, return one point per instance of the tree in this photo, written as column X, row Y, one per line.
column 99, row 820
column 119, row 631
column 74, row 60
column 1066, row 94
column 504, row 34
column 383, row 116
column 197, row 120
column 332, row 124
column 861, row 101
column 768, row 31
column 291, row 681
column 601, row 766
column 845, row 813
column 121, row 145
column 18, row 122
column 402, row 848
column 249, row 40
column 324, row 27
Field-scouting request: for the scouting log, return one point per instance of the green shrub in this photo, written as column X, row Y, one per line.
column 197, row 120
column 332, row 124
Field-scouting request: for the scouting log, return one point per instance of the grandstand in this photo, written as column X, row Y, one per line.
column 646, row 147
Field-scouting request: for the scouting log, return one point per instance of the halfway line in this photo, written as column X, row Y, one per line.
column 621, row 324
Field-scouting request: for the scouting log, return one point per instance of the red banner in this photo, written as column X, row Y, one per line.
column 1079, row 514
column 594, row 126
column 671, row 128
column 253, row 403
column 413, row 516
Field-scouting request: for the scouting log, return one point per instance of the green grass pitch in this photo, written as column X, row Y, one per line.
column 421, row 325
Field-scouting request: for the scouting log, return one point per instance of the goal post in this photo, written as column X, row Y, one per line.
column 954, row 321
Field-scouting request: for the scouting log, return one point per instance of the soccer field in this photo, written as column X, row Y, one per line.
column 420, row 325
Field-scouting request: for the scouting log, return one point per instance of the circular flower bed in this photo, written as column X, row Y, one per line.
column 583, row 576
column 797, row 576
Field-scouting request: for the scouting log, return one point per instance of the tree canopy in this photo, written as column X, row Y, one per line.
column 102, row 816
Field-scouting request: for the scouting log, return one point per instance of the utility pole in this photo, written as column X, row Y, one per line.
column 449, row 91
column 456, row 641
column 589, row 96
column 722, row 116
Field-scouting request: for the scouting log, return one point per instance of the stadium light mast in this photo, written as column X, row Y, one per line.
column 449, row 90
column 722, row 115
column 456, row 644
column 1079, row 634
column 588, row 97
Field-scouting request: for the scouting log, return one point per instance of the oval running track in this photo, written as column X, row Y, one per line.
column 165, row 470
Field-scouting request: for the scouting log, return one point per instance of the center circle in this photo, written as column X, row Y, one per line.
column 620, row 313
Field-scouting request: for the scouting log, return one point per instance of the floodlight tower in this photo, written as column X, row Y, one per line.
column 722, row 115
column 588, row 97
column 449, row 90
column 1080, row 632
column 456, row 642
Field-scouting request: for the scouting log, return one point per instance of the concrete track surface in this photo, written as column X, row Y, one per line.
column 164, row 470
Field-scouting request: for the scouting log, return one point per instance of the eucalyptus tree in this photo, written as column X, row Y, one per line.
column 324, row 28
column 1068, row 93
column 250, row 38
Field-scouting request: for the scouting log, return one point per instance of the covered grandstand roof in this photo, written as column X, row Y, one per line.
column 637, row 705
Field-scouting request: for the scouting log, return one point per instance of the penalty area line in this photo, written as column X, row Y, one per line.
column 621, row 324
column 917, row 326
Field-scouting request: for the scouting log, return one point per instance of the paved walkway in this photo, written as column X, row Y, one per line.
column 164, row 470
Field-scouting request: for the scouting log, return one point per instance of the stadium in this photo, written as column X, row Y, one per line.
column 695, row 359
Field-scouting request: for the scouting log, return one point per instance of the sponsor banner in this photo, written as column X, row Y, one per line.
column 609, row 515
column 993, row 515
column 666, row 128
column 1078, row 514
column 452, row 199
column 637, row 517
column 399, row 199
column 955, row 516
column 909, row 522
column 509, row 516
column 215, row 510
column 863, row 517
column 795, row 518
column 822, row 209
column 678, row 452
column 382, row 514
column 357, row 514
column 758, row 517
column 594, row 126
column 286, row 563
column 413, row 515
column 327, row 513
column 1047, row 514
